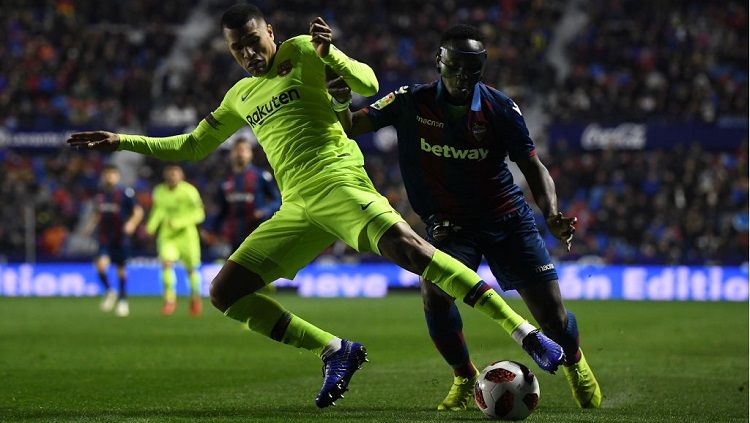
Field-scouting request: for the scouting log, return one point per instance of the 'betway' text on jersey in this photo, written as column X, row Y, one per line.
column 454, row 153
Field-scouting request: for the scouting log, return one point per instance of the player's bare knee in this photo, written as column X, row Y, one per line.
column 232, row 283
column 221, row 292
column 404, row 247
column 216, row 293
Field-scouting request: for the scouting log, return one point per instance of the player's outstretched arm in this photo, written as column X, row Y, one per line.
column 360, row 77
column 204, row 139
column 178, row 147
column 543, row 189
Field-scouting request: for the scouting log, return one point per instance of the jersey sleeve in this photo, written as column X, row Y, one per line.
column 386, row 111
column 128, row 202
column 515, row 133
column 213, row 130
column 359, row 76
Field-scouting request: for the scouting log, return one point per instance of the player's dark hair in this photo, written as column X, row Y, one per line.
column 238, row 15
column 110, row 166
column 461, row 32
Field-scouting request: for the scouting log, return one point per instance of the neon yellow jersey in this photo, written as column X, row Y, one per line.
column 175, row 212
column 289, row 111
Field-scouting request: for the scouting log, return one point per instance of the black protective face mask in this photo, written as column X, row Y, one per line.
column 461, row 64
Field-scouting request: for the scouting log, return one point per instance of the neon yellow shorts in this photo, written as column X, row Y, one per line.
column 343, row 206
column 186, row 248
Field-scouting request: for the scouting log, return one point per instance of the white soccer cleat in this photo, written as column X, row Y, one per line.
column 122, row 309
column 108, row 302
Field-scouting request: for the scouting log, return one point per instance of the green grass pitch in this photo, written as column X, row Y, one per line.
column 63, row 360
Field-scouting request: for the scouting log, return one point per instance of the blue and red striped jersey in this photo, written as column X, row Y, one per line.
column 240, row 196
column 115, row 206
column 455, row 168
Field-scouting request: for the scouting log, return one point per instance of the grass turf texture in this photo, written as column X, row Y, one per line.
column 61, row 359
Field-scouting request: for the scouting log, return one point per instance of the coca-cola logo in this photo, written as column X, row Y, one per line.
column 626, row 136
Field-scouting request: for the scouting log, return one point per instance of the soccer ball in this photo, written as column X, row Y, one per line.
column 506, row 390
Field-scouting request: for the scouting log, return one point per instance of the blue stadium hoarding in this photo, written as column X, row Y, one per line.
column 584, row 282
column 641, row 136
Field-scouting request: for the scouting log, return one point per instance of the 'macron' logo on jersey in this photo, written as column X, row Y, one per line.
column 264, row 111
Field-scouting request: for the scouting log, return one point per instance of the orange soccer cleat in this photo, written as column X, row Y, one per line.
column 196, row 306
column 168, row 308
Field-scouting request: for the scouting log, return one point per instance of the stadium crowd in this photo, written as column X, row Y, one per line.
column 671, row 61
column 80, row 65
column 77, row 64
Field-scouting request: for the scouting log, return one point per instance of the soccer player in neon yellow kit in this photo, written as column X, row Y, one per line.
column 177, row 209
column 326, row 194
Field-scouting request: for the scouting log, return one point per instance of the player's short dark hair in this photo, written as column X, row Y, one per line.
column 238, row 15
column 110, row 167
column 461, row 32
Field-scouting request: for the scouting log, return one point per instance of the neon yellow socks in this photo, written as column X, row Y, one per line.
column 267, row 317
column 459, row 281
column 195, row 283
column 169, row 279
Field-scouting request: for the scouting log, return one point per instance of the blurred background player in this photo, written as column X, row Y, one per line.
column 116, row 215
column 177, row 210
column 454, row 135
column 248, row 196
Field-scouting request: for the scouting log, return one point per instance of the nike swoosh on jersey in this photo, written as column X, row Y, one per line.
column 364, row 206
column 516, row 108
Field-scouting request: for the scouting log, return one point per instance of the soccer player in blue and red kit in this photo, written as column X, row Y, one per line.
column 453, row 137
column 248, row 196
column 116, row 214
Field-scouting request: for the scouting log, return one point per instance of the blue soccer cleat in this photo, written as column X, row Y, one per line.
column 338, row 370
column 545, row 352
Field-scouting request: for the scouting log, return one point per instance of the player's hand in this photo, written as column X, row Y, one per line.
column 95, row 140
column 562, row 228
column 321, row 36
column 128, row 228
column 339, row 89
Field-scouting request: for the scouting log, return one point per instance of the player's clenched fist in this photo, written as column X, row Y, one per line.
column 95, row 140
column 339, row 90
column 321, row 36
